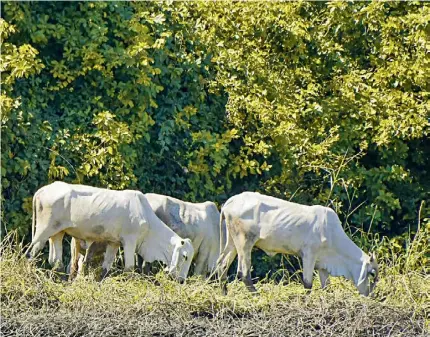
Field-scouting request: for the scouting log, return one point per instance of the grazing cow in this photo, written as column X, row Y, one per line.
column 276, row 226
column 116, row 217
column 196, row 221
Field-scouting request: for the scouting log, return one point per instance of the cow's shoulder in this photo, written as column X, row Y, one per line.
column 210, row 207
column 51, row 193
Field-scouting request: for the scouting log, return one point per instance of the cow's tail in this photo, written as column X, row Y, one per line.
column 223, row 232
column 222, row 244
column 33, row 224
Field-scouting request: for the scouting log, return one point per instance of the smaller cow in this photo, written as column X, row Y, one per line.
column 314, row 233
column 196, row 221
column 100, row 215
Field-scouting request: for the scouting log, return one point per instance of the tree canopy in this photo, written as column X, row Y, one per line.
column 315, row 102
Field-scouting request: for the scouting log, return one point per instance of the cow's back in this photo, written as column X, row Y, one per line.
column 92, row 213
column 182, row 217
column 104, row 212
column 250, row 204
column 279, row 225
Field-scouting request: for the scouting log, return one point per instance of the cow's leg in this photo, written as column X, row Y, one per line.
column 94, row 257
column 146, row 268
column 83, row 246
column 129, row 246
column 211, row 261
column 239, row 266
column 90, row 252
column 57, row 244
column 201, row 262
column 244, row 265
column 323, row 274
column 224, row 261
column 110, row 254
column 94, row 253
column 86, row 245
column 51, row 252
column 139, row 263
column 246, row 272
column 143, row 267
column 74, row 258
column 309, row 259
column 81, row 263
column 244, row 241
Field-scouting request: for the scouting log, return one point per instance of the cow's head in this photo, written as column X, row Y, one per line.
column 368, row 276
column 183, row 253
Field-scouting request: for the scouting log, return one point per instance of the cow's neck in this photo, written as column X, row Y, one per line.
column 354, row 259
column 159, row 243
column 339, row 265
column 344, row 259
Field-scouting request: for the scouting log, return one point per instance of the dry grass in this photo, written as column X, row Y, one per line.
column 36, row 302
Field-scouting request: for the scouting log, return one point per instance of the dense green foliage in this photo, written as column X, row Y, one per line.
column 316, row 102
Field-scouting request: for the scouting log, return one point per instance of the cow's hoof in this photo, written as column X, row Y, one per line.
column 104, row 274
column 59, row 268
column 71, row 278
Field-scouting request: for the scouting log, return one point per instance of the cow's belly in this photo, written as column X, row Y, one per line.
column 281, row 240
column 272, row 247
column 99, row 228
column 93, row 234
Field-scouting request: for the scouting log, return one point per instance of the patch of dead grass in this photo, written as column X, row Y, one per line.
column 36, row 302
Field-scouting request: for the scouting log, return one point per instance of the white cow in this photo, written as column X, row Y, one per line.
column 276, row 226
column 196, row 221
column 116, row 217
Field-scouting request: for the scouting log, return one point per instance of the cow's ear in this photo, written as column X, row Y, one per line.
column 363, row 273
column 373, row 257
column 182, row 242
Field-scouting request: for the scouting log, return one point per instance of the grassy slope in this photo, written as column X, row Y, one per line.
column 35, row 302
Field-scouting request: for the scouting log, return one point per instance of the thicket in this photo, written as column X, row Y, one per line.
column 315, row 102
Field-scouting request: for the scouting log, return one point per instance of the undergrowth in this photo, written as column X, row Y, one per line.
column 38, row 302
